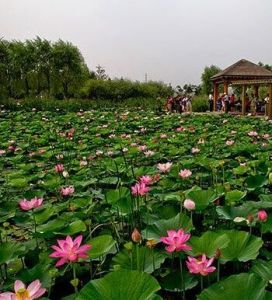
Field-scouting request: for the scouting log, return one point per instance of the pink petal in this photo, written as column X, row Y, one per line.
column 171, row 233
column 84, row 248
column 7, row 296
column 78, row 240
column 18, row 285
column 170, row 248
column 210, row 261
column 61, row 262
column 39, row 293
column 34, row 287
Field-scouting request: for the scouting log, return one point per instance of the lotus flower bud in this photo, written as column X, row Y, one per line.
column 189, row 204
column 262, row 215
column 136, row 236
column 250, row 218
column 217, row 253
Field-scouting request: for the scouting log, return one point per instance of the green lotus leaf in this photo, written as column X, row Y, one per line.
column 208, row 243
column 202, row 198
column 18, row 183
column 159, row 228
column 10, row 250
column 263, row 269
column 123, row 284
column 43, row 215
column 255, row 181
column 73, row 228
column 172, row 282
column 242, row 246
column 101, row 245
column 148, row 260
column 112, row 196
column 236, row 287
column 234, row 196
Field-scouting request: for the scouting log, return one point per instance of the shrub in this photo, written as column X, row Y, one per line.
column 200, row 104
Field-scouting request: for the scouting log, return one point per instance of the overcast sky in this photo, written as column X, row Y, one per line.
column 170, row 40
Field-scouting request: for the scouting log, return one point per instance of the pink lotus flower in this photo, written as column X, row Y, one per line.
column 139, row 189
column 142, row 148
column 67, row 191
column 195, row 150
column 59, row 168
column 163, row 136
column 185, row 173
column 200, row 266
column 147, row 180
column 262, row 215
column 229, row 142
column 252, row 133
column 2, row 152
column 176, row 240
column 83, row 163
column 110, row 153
column 266, row 136
column 149, row 153
column 33, row 291
column 30, row 204
column 69, row 250
column 164, row 168
column 12, row 148
column 189, row 204
column 99, row 152
column 180, row 129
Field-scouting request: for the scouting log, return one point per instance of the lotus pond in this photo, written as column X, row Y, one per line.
column 135, row 205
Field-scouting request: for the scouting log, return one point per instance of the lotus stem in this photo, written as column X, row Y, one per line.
column 182, row 279
column 218, row 270
column 75, row 278
column 35, row 228
column 201, row 282
column 137, row 257
column 153, row 259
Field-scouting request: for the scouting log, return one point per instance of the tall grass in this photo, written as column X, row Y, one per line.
column 200, row 104
column 78, row 104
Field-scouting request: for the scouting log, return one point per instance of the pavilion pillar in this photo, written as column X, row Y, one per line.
column 270, row 102
column 226, row 88
column 256, row 91
column 215, row 95
column 244, row 99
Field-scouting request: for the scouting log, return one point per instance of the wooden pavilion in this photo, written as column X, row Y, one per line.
column 245, row 74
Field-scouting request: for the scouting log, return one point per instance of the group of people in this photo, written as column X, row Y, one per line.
column 179, row 104
column 226, row 103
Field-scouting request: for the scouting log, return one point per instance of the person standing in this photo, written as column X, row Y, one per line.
column 266, row 101
column 211, row 102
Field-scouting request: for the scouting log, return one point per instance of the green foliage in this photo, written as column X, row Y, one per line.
column 119, row 285
column 200, row 104
column 206, row 78
column 236, row 287
column 120, row 89
column 40, row 68
column 78, row 104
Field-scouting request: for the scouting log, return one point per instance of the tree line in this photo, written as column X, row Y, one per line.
column 41, row 68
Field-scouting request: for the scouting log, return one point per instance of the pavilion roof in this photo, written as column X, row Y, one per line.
column 243, row 70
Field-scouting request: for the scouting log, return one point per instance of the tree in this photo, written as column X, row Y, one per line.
column 206, row 78
column 69, row 66
column 101, row 73
column 266, row 66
